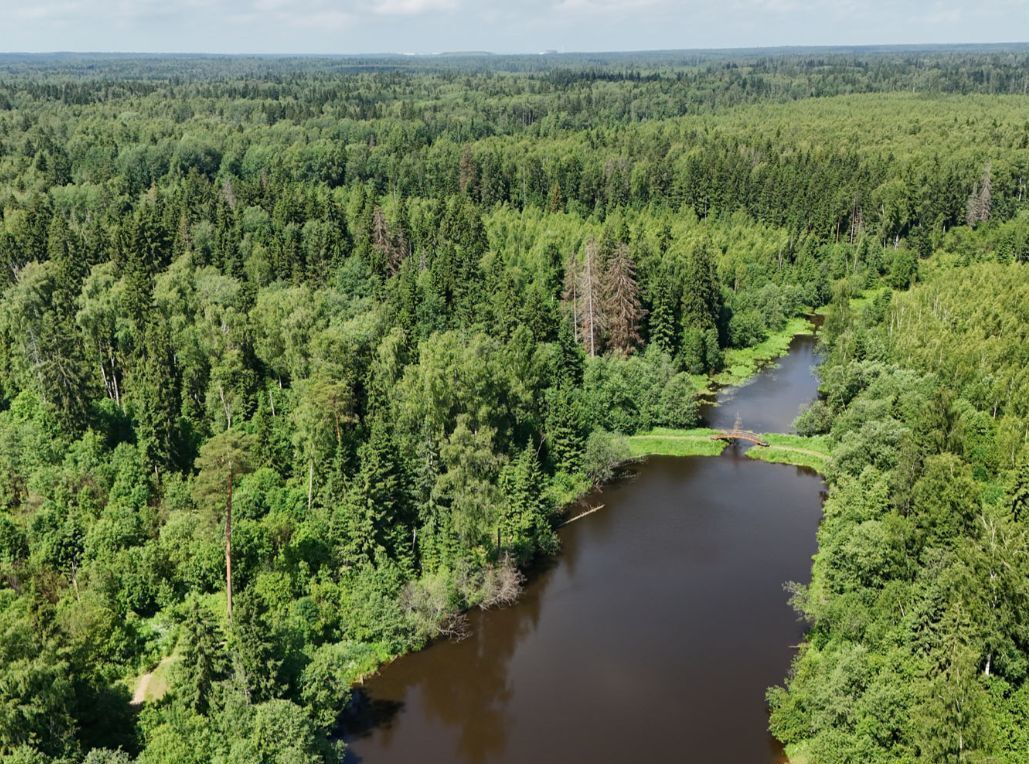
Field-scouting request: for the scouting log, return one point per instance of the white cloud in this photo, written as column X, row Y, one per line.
column 502, row 25
column 411, row 7
column 606, row 6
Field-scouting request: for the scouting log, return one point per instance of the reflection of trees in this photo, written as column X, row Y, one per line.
column 463, row 685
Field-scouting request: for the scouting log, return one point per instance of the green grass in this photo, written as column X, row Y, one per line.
column 154, row 684
column 798, row 450
column 704, row 385
column 742, row 363
column 160, row 682
column 859, row 302
column 662, row 441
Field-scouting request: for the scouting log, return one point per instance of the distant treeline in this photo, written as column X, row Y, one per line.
column 300, row 358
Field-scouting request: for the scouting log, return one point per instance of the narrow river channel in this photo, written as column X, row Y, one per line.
column 650, row 639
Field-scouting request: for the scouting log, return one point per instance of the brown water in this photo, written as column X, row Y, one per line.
column 651, row 638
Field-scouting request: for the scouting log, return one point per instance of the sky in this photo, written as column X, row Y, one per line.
column 502, row 26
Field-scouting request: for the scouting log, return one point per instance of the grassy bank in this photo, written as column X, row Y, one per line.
column 662, row 441
column 793, row 449
column 858, row 302
column 742, row 363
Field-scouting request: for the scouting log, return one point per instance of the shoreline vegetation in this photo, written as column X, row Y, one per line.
column 300, row 361
column 741, row 366
column 782, row 448
column 799, row 450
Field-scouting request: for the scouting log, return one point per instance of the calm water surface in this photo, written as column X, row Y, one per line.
column 651, row 638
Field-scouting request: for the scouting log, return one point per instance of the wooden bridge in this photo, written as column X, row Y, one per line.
column 737, row 433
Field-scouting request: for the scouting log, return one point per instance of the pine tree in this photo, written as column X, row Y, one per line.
column 222, row 460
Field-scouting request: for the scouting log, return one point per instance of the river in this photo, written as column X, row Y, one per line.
column 651, row 638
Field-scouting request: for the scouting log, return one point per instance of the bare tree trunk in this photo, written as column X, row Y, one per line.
column 107, row 383
column 114, row 381
column 590, row 308
column 226, row 409
column 228, row 551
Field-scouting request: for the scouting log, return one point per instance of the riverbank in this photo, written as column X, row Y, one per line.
column 702, row 533
column 782, row 448
column 743, row 363
column 577, row 499
column 664, row 441
column 798, row 450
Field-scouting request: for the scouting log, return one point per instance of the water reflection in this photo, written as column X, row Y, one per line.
column 774, row 398
column 651, row 638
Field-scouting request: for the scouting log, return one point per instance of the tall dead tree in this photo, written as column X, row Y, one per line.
column 390, row 242
column 622, row 307
column 981, row 199
column 592, row 320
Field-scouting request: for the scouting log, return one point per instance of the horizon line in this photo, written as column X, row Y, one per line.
column 525, row 53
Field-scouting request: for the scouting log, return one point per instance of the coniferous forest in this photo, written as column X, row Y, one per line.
column 303, row 358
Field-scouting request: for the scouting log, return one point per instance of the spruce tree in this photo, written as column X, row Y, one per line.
column 153, row 391
column 564, row 430
column 525, row 525
column 622, row 301
column 662, row 319
column 380, row 512
column 202, row 661
column 701, row 312
column 1019, row 492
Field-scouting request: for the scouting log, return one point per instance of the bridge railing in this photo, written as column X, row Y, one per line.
column 745, row 435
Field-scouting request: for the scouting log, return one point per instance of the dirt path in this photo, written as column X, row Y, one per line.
column 143, row 683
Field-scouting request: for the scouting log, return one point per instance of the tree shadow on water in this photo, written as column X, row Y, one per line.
column 364, row 716
column 460, row 687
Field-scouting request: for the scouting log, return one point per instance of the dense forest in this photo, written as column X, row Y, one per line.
column 303, row 358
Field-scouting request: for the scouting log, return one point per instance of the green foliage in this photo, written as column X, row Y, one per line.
column 525, row 527
column 202, row 658
column 604, row 452
column 810, row 452
column 392, row 323
column 918, row 592
column 326, row 681
column 666, row 442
